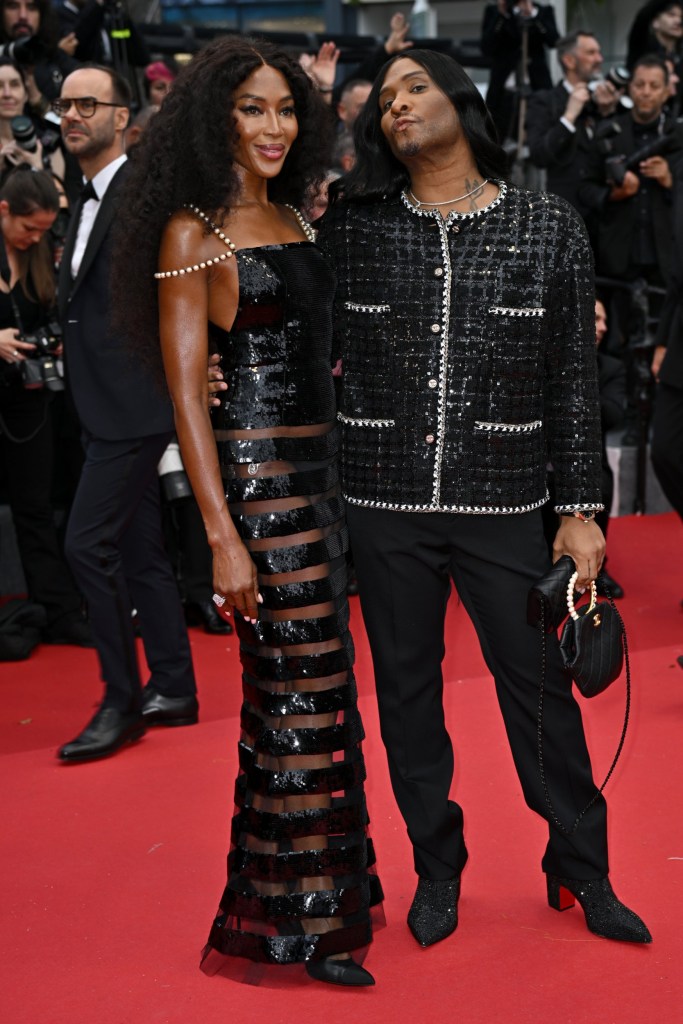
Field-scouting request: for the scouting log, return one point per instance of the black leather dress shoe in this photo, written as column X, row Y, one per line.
column 205, row 613
column 160, row 710
column 607, row 586
column 107, row 731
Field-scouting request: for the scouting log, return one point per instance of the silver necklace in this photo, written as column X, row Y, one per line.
column 447, row 202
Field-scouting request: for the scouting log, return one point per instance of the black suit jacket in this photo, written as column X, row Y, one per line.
column 117, row 396
column 552, row 145
column 88, row 24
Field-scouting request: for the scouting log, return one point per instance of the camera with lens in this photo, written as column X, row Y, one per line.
column 39, row 369
column 26, row 51
column 617, row 164
column 24, row 132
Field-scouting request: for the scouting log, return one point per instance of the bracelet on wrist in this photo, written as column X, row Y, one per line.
column 586, row 516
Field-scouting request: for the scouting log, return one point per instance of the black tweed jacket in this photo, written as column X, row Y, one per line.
column 469, row 355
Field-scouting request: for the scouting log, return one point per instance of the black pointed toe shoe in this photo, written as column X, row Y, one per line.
column 160, row 710
column 433, row 915
column 339, row 972
column 106, row 733
column 606, row 916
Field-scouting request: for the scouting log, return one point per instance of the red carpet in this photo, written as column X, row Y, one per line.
column 111, row 871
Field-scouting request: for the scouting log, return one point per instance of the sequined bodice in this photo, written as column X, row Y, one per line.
column 277, row 357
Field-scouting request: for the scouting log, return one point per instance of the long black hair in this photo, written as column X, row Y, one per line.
column 186, row 157
column 377, row 172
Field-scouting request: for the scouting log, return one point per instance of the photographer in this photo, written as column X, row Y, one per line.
column 502, row 33
column 629, row 179
column 29, row 34
column 561, row 121
column 24, row 138
column 29, row 203
column 92, row 22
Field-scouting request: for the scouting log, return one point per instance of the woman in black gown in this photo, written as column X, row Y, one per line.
column 239, row 274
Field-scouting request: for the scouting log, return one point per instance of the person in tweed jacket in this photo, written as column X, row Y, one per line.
column 464, row 317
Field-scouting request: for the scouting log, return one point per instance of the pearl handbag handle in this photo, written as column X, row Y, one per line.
column 570, row 596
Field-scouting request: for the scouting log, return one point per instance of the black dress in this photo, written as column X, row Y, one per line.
column 299, row 885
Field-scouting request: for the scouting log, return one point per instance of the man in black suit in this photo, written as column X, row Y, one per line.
column 561, row 121
column 114, row 541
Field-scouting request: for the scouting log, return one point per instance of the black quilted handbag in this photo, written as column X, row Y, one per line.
column 594, row 649
column 592, row 643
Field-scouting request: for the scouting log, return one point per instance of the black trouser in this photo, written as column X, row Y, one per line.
column 115, row 547
column 26, row 449
column 667, row 443
column 404, row 563
column 189, row 549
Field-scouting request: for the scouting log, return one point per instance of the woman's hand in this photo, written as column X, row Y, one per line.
column 11, row 348
column 585, row 543
column 235, row 579
column 15, row 155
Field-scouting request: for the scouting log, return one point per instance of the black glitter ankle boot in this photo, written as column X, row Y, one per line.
column 605, row 914
column 433, row 914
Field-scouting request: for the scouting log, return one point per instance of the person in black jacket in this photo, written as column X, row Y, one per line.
column 29, row 33
column 464, row 316
column 501, row 40
column 114, row 539
column 29, row 203
column 657, row 28
column 634, row 214
column 561, row 121
column 91, row 22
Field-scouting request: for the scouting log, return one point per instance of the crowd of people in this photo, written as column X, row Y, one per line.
column 411, row 385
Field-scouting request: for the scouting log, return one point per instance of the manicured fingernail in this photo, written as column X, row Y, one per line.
column 259, row 598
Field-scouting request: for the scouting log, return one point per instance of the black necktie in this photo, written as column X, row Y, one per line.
column 88, row 192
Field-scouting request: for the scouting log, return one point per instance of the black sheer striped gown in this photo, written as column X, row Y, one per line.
column 300, row 882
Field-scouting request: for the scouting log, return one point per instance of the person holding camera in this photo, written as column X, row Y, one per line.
column 628, row 181
column 561, row 121
column 29, row 34
column 29, row 204
column 24, row 139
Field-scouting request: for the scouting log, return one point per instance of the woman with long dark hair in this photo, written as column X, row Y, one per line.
column 29, row 203
column 212, row 213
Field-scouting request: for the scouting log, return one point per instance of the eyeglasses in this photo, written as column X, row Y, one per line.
column 85, row 106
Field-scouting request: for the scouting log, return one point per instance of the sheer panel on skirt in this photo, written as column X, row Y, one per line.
column 300, row 869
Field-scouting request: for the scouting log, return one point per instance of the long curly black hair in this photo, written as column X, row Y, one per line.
column 186, row 156
column 377, row 172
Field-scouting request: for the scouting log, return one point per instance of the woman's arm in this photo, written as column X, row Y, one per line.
column 183, row 319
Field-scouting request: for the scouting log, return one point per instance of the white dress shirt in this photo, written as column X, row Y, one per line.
column 91, row 208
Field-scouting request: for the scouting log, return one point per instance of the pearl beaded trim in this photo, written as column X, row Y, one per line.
column 570, row 596
column 204, row 263
column 232, row 248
